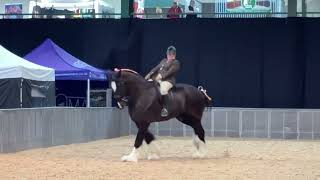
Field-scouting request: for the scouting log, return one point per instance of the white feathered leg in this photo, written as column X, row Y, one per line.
column 200, row 146
column 132, row 157
column 153, row 151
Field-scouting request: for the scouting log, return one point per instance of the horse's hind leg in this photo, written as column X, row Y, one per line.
column 153, row 150
column 199, row 137
column 199, row 140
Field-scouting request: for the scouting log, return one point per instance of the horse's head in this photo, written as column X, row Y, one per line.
column 120, row 81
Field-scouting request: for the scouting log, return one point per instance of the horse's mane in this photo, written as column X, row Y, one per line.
column 129, row 70
column 137, row 75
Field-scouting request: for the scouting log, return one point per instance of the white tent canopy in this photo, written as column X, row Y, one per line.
column 13, row 66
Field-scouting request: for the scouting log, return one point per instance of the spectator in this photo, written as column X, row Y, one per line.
column 191, row 12
column 159, row 12
column 175, row 11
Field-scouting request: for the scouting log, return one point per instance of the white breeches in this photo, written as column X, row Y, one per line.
column 165, row 86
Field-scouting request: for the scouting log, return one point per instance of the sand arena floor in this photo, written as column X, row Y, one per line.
column 227, row 159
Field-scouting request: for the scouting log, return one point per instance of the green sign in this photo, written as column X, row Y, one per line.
column 248, row 4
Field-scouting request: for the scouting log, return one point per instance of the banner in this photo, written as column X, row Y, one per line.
column 14, row 10
column 248, row 6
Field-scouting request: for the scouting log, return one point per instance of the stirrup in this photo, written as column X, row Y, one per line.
column 164, row 112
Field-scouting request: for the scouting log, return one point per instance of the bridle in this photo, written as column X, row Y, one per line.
column 124, row 99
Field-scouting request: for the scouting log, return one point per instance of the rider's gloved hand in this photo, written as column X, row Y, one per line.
column 159, row 77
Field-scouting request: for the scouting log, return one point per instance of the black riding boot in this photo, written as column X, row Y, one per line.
column 165, row 101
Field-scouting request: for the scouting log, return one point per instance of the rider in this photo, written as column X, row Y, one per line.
column 165, row 73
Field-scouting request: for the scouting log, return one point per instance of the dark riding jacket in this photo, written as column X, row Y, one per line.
column 167, row 70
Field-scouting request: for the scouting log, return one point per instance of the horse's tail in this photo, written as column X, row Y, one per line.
column 208, row 99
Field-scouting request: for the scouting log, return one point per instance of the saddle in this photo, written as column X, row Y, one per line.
column 170, row 92
column 170, row 95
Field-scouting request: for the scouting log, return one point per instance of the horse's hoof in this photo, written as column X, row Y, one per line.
column 129, row 158
column 153, row 157
column 198, row 155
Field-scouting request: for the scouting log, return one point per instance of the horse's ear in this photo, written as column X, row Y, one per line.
column 117, row 72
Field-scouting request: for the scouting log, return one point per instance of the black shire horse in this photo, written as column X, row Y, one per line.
column 186, row 104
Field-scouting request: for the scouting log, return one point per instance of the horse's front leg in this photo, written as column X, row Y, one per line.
column 134, row 155
column 152, row 147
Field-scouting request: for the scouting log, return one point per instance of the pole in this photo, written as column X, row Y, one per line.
column 21, row 92
column 88, row 93
column 292, row 8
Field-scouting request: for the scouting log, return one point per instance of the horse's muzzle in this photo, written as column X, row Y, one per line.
column 121, row 101
column 119, row 105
